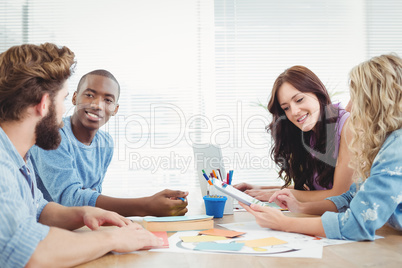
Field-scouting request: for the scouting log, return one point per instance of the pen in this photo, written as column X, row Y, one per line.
column 213, row 171
column 217, row 175
column 220, row 174
column 182, row 199
column 220, row 177
column 206, row 177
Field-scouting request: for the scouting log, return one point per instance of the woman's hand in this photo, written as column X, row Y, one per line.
column 262, row 195
column 286, row 200
column 245, row 186
column 266, row 217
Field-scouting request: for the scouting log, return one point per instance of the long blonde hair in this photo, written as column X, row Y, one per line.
column 376, row 96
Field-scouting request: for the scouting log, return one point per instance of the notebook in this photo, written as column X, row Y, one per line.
column 208, row 157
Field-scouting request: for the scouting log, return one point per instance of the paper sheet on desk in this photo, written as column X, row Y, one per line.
column 297, row 245
column 304, row 248
column 252, row 225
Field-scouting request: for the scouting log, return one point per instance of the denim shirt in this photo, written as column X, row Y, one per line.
column 21, row 205
column 377, row 201
column 72, row 175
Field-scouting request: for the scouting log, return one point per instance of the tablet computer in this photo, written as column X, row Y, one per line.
column 237, row 194
column 241, row 196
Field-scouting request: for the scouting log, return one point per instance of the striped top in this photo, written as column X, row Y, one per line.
column 21, row 205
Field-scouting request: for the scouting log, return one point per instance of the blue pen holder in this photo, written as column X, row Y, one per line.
column 214, row 206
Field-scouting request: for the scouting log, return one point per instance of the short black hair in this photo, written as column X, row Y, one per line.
column 100, row 72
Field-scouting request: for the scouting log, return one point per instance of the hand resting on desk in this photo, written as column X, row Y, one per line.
column 134, row 237
column 93, row 218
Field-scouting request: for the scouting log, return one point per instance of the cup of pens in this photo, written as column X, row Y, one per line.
column 211, row 191
column 215, row 205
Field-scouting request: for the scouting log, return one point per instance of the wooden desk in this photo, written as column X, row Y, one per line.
column 386, row 252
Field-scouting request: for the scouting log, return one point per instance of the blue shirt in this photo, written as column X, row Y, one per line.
column 21, row 204
column 377, row 201
column 72, row 175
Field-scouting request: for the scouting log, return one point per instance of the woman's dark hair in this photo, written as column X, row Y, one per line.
column 300, row 155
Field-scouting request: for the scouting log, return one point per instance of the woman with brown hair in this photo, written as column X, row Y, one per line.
column 310, row 144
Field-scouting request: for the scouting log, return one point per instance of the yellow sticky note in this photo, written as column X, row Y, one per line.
column 201, row 238
column 263, row 242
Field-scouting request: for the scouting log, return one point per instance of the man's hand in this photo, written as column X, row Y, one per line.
column 133, row 237
column 167, row 203
column 96, row 217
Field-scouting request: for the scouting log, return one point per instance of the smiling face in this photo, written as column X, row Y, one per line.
column 302, row 109
column 96, row 102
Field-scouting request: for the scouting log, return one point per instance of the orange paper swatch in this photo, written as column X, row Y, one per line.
column 220, row 232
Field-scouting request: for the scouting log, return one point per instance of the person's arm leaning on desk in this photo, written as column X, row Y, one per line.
column 69, row 189
column 61, row 246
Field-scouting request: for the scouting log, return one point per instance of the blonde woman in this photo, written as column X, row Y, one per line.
column 376, row 199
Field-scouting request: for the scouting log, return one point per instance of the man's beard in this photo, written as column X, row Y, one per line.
column 47, row 131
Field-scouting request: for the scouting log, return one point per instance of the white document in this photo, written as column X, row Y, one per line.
column 297, row 245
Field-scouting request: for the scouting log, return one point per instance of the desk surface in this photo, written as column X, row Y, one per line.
column 386, row 252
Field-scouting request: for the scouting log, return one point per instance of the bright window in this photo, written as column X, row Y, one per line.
column 199, row 71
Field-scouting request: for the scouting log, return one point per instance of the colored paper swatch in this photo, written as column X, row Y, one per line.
column 220, row 232
column 177, row 218
column 164, row 237
column 201, row 238
column 263, row 242
column 219, row 246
